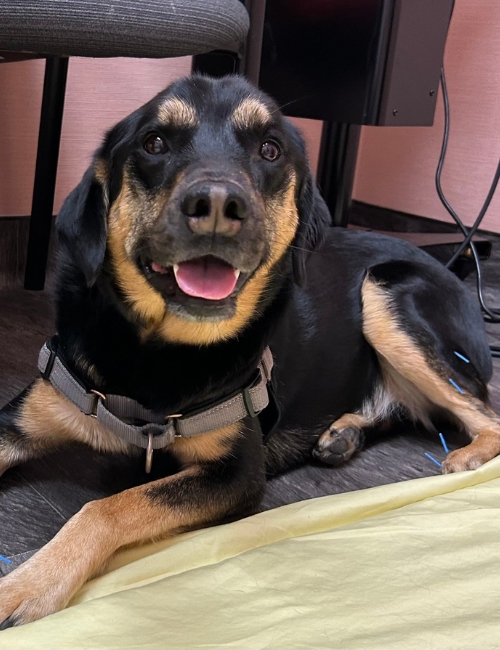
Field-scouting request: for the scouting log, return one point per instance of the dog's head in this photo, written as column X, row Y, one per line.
column 192, row 204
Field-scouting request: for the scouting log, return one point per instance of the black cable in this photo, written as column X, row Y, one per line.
column 476, row 224
column 493, row 315
column 468, row 239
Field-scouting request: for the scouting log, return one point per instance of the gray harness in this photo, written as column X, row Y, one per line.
column 160, row 430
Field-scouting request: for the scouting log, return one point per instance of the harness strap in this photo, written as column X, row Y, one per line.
column 112, row 411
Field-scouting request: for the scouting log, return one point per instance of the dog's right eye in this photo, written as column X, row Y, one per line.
column 270, row 151
column 155, row 144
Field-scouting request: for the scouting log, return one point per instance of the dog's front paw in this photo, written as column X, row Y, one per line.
column 461, row 460
column 335, row 447
column 30, row 592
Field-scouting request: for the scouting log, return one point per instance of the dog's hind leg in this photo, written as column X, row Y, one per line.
column 431, row 346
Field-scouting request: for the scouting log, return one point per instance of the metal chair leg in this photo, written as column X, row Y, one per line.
column 250, row 65
column 337, row 166
column 54, row 87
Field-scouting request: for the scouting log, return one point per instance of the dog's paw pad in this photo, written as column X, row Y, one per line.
column 335, row 447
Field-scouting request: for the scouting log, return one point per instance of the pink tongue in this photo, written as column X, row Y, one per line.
column 206, row 277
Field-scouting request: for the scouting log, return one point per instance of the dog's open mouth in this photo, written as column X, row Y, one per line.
column 205, row 277
column 204, row 286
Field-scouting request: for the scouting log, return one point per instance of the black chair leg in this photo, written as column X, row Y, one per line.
column 250, row 64
column 337, row 166
column 54, row 88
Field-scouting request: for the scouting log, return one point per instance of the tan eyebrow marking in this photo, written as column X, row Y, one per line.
column 250, row 113
column 177, row 112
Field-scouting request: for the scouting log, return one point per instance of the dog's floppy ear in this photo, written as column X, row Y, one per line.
column 82, row 221
column 81, row 225
column 314, row 219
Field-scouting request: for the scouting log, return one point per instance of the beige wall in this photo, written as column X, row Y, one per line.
column 99, row 93
column 396, row 166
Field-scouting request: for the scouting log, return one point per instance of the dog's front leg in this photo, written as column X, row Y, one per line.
column 201, row 494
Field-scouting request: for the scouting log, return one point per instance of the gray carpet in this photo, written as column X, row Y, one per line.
column 38, row 497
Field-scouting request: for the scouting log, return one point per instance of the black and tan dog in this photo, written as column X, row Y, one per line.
column 196, row 239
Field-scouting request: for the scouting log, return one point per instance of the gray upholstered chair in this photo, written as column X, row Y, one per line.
column 58, row 29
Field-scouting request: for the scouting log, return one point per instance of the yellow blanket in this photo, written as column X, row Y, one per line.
column 412, row 565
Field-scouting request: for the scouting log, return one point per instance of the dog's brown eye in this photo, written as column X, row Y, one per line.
column 155, row 145
column 270, row 151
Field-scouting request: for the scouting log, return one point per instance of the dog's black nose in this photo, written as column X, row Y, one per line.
column 214, row 207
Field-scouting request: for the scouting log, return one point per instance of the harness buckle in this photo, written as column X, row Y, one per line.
column 173, row 417
column 45, row 373
column 151, row 435
column 96, row 402
column 247, row 400
column 149, row 454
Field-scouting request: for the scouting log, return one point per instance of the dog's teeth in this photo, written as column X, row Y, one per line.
column 158, row 268
column 237, row 273
column 176, row 269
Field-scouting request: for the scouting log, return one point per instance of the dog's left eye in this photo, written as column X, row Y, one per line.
column 270, row 151
column 155, row 144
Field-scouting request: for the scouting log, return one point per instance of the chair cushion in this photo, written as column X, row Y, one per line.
column 135, row 28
